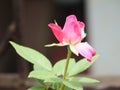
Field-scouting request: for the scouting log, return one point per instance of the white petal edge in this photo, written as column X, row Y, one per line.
column 74, row 50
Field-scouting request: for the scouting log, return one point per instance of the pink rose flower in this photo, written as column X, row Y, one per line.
column 72, row 34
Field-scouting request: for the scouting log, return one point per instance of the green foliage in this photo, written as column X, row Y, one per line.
column 83, row 80
column 73, row 84
column 43, row 75
column 59, row 67
column 36, row 88
column 52, row 77
column 81, row 66
column 32, row 56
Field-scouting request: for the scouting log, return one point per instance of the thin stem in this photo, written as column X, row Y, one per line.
column 66, row 66
column 67, row 63
column 47, row 87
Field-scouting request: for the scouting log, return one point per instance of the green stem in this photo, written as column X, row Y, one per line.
column 67, row 63
column 47, row 87
column 66, row 66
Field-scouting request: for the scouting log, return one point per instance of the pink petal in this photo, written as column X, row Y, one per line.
column 57, row 31
column 72, row 30
column 69, row 20
column 86, row 50
column 82, row 26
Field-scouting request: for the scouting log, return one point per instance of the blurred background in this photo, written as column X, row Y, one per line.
column 25, row 22
column 104, row 32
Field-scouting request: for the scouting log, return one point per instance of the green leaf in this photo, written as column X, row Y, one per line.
column 83, row 80
column 54, row 80
column 81, row 65
column 32, row 56
column 88, row 80
column 53, row 86
column 67, row 88
column 38, row 68
column 36, row 88
column 43, row 74
column 40, row 81
column 59, row 67
column 73, row 85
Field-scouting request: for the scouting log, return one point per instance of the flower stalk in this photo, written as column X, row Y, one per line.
column 66, row 66
column 67, row 63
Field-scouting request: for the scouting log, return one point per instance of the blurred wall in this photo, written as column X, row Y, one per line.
column 35, row 15
column 103, row 17
column 31, row 18
column 7, row 59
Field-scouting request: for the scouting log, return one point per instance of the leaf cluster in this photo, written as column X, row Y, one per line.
column 52, row 76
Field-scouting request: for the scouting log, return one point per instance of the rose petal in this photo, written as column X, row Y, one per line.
column 82, row 25
column 72, row 30
column 57, row 31
column 85, row 50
